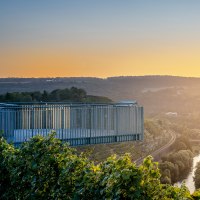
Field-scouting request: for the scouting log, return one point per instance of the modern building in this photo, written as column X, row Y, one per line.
column 76, row 123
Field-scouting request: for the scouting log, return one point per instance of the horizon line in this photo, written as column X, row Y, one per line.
column 120, row 76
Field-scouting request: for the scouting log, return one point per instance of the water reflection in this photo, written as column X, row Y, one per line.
column 189, row 180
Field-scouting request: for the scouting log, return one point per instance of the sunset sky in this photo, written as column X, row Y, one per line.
column 101, row 38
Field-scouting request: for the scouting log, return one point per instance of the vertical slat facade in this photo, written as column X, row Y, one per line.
column 78, row 124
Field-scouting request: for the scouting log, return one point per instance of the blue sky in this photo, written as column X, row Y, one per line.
column 30, row 21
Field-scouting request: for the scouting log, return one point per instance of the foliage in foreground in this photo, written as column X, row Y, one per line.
column 46, row 168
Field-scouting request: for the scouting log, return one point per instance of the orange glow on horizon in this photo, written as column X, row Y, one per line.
column 100, row 62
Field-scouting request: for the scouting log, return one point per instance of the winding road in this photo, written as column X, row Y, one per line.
column 160, row 150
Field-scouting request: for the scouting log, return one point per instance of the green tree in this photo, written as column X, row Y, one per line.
column 36, row 96
column 45, row 96
column 46, row 168
column 197, row 176
column 6, row 150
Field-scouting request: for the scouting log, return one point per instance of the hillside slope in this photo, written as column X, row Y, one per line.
column 158, row 94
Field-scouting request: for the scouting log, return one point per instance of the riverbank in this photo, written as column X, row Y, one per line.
column 189, row 182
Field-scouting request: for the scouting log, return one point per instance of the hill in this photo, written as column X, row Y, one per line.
column 158, row 94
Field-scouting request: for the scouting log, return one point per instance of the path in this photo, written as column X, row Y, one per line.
column 160, row 150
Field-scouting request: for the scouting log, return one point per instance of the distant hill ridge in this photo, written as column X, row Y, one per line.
column 96, row 86
column 156, row 93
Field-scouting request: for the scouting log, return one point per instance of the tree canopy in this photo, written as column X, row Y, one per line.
column 46, row 168
column 59, row 95
column 197, row 176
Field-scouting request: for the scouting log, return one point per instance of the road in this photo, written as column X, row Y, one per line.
column 160, row 150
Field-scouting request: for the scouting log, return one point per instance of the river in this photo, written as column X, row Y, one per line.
column 189, row 180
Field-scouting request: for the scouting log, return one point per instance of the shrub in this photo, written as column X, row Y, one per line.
column 46, row 168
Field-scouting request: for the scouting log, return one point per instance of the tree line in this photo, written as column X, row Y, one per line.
column 46, row 168
column 72, row 94
column 176, row 165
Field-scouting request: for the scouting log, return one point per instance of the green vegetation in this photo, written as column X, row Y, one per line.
column 46, row 168
column 154, row 128
column 66, row 95
column 197, row 176
column 176, row 165
column 182, row 143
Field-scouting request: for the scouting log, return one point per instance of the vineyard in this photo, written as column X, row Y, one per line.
column 46, row 168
